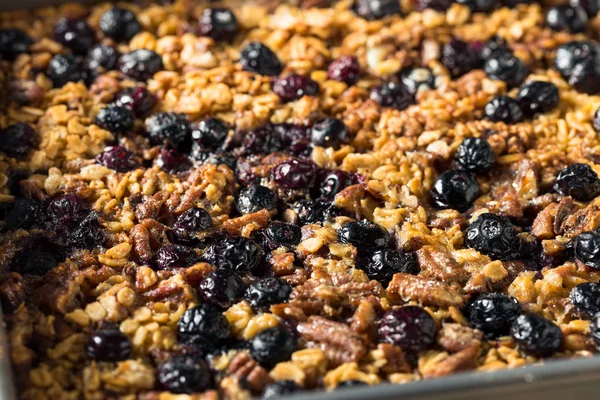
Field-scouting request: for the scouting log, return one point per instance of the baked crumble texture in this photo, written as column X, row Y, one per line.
column 240, row 199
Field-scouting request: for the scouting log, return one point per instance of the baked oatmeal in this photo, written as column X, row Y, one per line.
column 222, row 200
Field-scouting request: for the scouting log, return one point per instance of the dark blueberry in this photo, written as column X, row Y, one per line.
column 221, row 288
column 117, row 158
column 279, row 233
column 482, row 6
column 255, row 198
column 579, row 181
column 315, row 211
column 596, row 120
column 494, row 313
column 172, row 256
column 174, row 129
column 119, row 24
column 137, row 99
column 218, row 23
column 587, row 249
column 567, row 18
column 88, row 234
column 210, row 133
column 24, row 214
column 194, row 220
column 273, row 346
column 595, row 329
column 102, row 56
column 18, row 139
column 507, row 68
column 537, row 97
column 475, row 155
column 591, row 7
column 363, row 234
column 455, row 189
column 574, row 53
column 294, row 174
column 75, row 34
column 459, row 58
column 437, row 5
column 504, row 109
column 493, row 48
column 184, row 374
column 294, row 87
column 350, row 383
column 330, row 132
column 383, row 264
column 203, row 326
column 235, row 253
column 64, row 68
column 409, row 327
column 266, row 292
column 585, row 76
column 108, row 345
column 494, row 236
column 262, row 140
column 376, row 9
column 67, row 210
column 392, row 94
column 172, row 161
column 141, row 64
column 536, row 335
column 331, row 182
column 256, row 57
column 416, row 79
column 344, row 69
column 586, row 298
column 279, row 389
column 115, row 119
column 13, row 42
column 222, row 159
column 37, row 259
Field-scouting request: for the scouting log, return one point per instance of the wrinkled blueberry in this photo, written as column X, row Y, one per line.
column 538, row 97
column 494, row 236
column 362, row 234
column 64, row 68
column 587, row 249
column 392, row 94
column 273, row 346
column 203, row 326
column 282, row 234
column 88, row 234
column 344, row 69
column 409, row 327
column 66, row 210
column 294, row 174
column 194, row 220
column 137, row 99
column 585, row 76
column 536, row 335
column 376, row 9
column 572, row 53
column 117, row 158
column 172, row 161
column 383, row 264
column 330, row 132
column 24, row 214
column 221, row 288
column 315, row 211
column 475, row 155
column 266, row 292
column 184, row 374
column 493, row 313
column 507, row 68
column 75, row 34
column 493, row 48
column 171, row 257
column 119, row 24
column 416, row 79
column 210, row 133
column 167, row 127
column 141, row 64
column 331, row 182
column 455, row 189
column 235, row 253
column 567, row 18
column 279, row 389
column 586, row 298
column 503, row 109
column 459, row 58
column 115, row 119
column 579, row 181
column 102, row 56
column 256, row 57
column 218, row 23
column 13, row 42
column 262, row 140
column 18, row 139
column 109, row 344
column 293, row 87
column 255, row 198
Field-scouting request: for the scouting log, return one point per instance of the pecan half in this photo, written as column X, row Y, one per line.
column 440, row 264
column 463, row 360
column 429, row 292
column 455, row 337
column 244, row 368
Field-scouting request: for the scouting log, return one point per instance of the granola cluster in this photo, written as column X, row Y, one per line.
column 225, row 200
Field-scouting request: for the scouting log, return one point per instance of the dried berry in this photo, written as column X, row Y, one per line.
column 409, row 327
column 536, row 335
column 294, row 174
column 137, row 99
column 256, row 57
column 315, row 211
column 383, row 264
column 293, row 87
column 117, row 158
column 272, row 346
column 255, row 198
column 108, row 344
column 24, row 214
column 173, row 256
column 268, row 291
column 18, row 140
column 172, row 161
column 494, row 313
column 184, row 374
column 235, row 253
column 218, row 23
column 210, row 133
column 101, row 56
column 506, row 67
column 203, row 326
column 536, row 97
column 141, row 64
column 221, row 288
column 119, row 24
column 194, row 220
column 459, row 58
column 587, row 249
column 376, row 9
column 494, row 236
column 567, row 18
column 329, row 183
column 586, row 298
column 392, row 94
column 344, row 69
column 504, row 109
column 455, row 189
column 363, row 234
column 330, row 132
column 115, row 119
column 475, row 155
column 579, row 181
column 75, row 34
column 167, row 127
column 281, row 234
column 64, row 68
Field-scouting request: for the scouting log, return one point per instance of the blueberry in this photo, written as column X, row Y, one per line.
column 579, row 181
column 507, row 68
column 591, row 7
column 496, row 47
column 194, row 220
column 172, row 161
column 376, row 9
column 117, row 158
column 227, row 159
column 172, row 256
column 315, row 211
column 102, row 56
column 459, row 58
column 363, row 234
column 141, row 64
column 18, row 140
column 294, row 87
column 455, row 189
column 536, row 335
column 256, row 57
column 573, row 53
column 119, row 24
column 282, row 234
column 13, row 42
column 537, row 97
column 475, row 155
column 184, row 374
column 273, row 346
column 218, row 23
column 262, row 140
column 344, row 69
column 88, row 234
column 383, row 264
column 115, row 119
column 330, row 183
column 108, row 344
column 585, row 76
column 481, row 6
column 221, row 288
column 266, row 292
column 235, row 253
column 596, row 120
column 210, row 133
column 330, row 132
column 75, row 34
column 350, row 383
column 137, row 99
column 587, row 249
column 37, row 259
column 203, row 326
column 437, row 5
column 279, row 389
column 255, row 198
column 167, row 127
column 503, row 109
column 494, row 313
column 392, row 94
column 294, row 174
column 494, row 236
column 64, row 68
column 595, row 330
column 567, row 18
column 24, row 214
column 586, row 298
column 416, row 79
column 409, row 327
column 66, row 210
